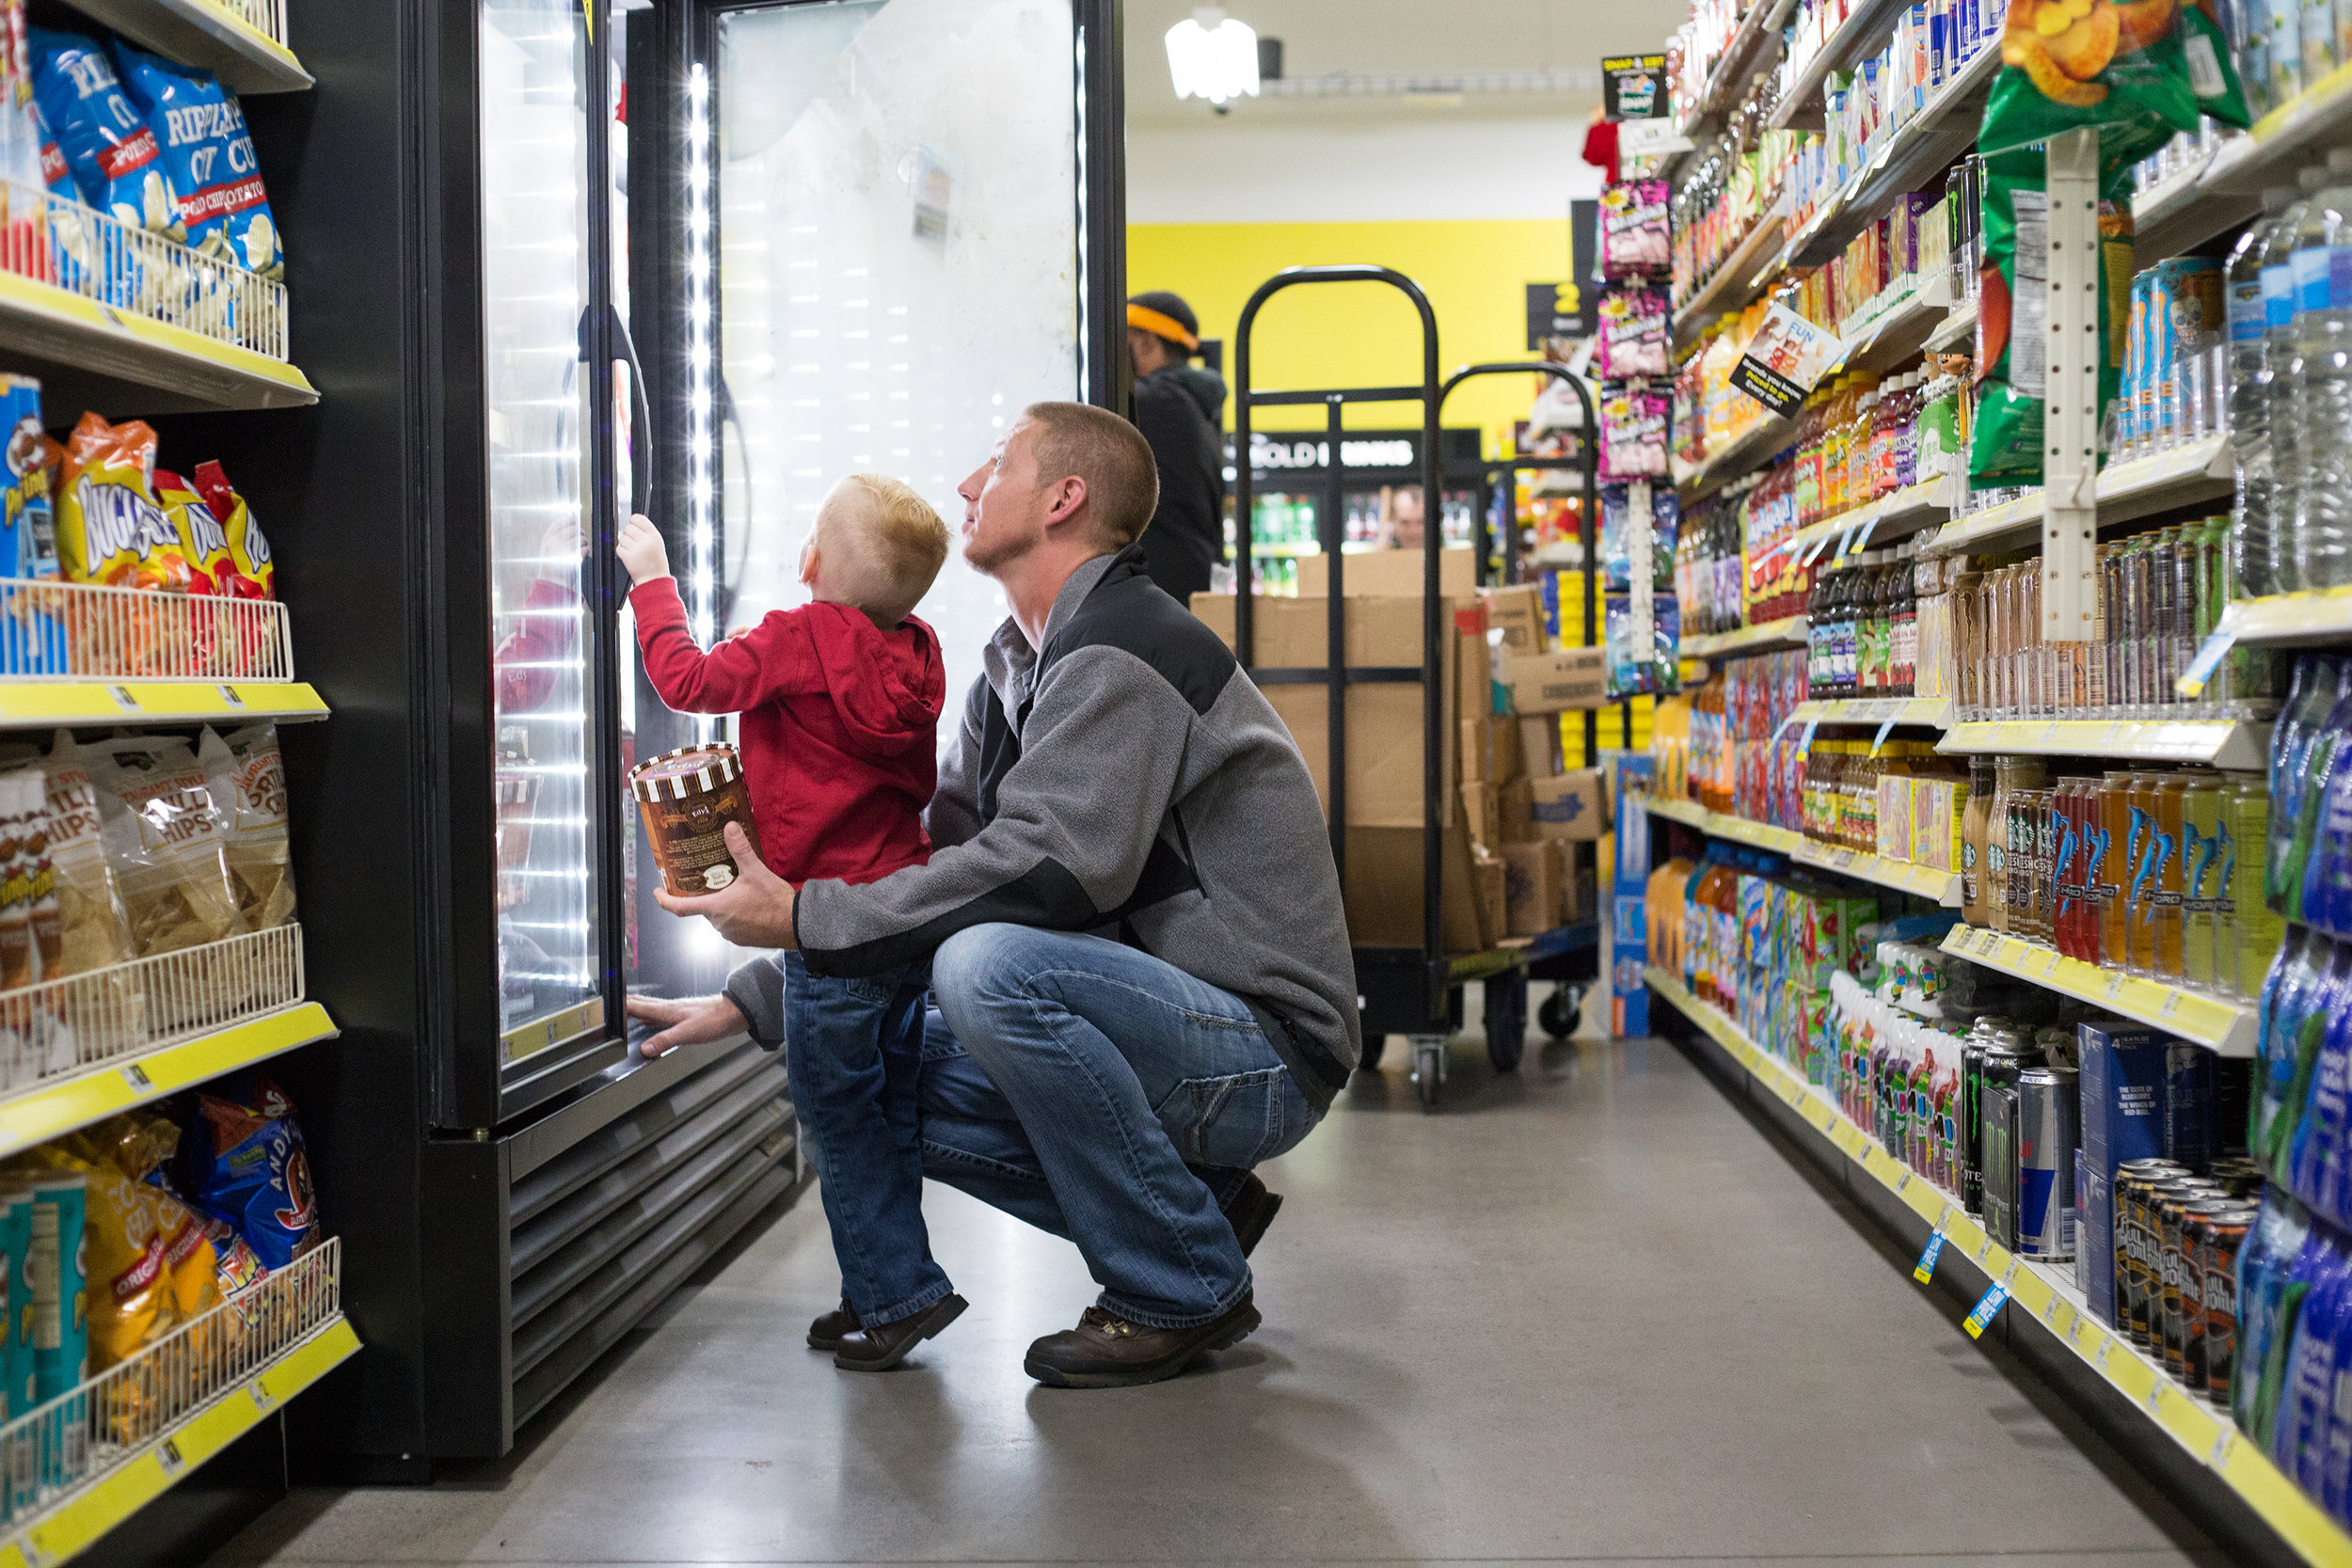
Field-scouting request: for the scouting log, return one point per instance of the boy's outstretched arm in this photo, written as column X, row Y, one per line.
column 772, row 659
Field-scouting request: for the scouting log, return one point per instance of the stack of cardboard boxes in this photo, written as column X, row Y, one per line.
column 1511, row 811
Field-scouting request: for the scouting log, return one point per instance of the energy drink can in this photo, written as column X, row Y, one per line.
column 1998, row 1112
column 2049, row 1128
column 2176, row 1215
column 2201, row 878
column 2140, row 868
column 2136, row 1183
column 2115, row 849
column 2260, row 928
column 1972, row 1126
column 2147, row 1324
column 2165, row 895
column 2211, row 1250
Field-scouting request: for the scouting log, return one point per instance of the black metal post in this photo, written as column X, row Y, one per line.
column 1330, row 534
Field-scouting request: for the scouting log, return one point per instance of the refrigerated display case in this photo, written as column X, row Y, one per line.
column 696, row 259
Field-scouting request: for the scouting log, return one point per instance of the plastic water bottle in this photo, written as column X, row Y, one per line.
column 2250, row 393
column 2322, row 263
column 2285, row 420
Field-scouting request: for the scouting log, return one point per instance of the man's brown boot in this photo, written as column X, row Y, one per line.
column 1106, row 1350
column 884, row 1345
column 825, row 1333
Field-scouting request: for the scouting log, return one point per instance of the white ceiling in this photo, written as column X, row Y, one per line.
column 1400, row 35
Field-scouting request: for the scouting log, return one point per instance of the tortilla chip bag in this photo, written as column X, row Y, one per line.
column 110, row 529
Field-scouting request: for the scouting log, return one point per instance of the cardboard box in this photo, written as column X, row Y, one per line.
column 1384, row 720
column 1556, row 682
column 1389, row 574
column 1490, row 749
column 1542, row 752
column 1483, row 814
column 1570, row 806
column 1493, row 885
column 1516, row 803
column 1384, row 871
column 1519, row 614
column 1476, row 687
column 2123, row 1100
column 1531, row 887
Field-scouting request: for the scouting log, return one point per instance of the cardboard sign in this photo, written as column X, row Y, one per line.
column 1633, row 86
column 1784, row 360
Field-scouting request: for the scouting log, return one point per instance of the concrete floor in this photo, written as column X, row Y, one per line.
column 1591, row 1314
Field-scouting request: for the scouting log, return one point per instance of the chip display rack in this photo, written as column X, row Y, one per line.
column 240, row 41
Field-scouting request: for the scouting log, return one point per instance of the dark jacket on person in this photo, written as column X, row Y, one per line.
column 1129, row 778
column 1179, row 408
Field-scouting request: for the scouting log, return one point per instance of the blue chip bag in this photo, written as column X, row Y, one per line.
column 208, row 155
column 246, row 1167
column 114, row 156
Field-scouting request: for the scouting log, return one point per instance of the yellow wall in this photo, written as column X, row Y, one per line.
column 1362, row 334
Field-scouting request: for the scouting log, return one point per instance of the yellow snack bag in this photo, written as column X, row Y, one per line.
column 203, row 541
column 110, row 531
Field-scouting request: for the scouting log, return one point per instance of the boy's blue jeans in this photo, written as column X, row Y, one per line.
column 854, row 1051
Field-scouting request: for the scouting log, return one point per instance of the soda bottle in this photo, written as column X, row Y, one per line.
column 2164, row 892
column 2200, row 881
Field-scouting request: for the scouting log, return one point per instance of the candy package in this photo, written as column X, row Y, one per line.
column 247, row 779
column 165, row 837
column 1616, row 517
column 243, row 1162
column 2012, row 314
column 110, row 529
column 208, row 156
column 1635, row 338
column 1635, row 238
column 1633, row 429
column 2140, row 72
column 114, row 157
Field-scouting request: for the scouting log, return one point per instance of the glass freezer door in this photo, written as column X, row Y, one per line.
column 538, row 91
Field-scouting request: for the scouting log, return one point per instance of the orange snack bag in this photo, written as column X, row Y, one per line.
column 110, row 529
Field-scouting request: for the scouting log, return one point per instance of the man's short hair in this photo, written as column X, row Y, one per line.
column 896, row 543
column 1110, row 454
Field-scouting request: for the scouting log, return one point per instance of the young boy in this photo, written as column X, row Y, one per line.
column 839, row 703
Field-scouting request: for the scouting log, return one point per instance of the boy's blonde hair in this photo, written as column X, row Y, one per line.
column 883, row 543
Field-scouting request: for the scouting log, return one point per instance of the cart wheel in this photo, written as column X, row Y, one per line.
column 1429, row 1067
column 1558, row 1013
column 1506, row 1018
column 1376, row 1046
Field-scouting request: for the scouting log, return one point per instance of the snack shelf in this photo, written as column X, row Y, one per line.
column 121, row 362
column 2181, row 213
column 1788, row 632
column 2315, row 119
column 1738, row 281
column 1943, row 129
column 36, row 1116
column 1718, row 824
column 46, row 704
column 1921, row 881
column 240, row 41
column 1959, row 327
column 1801, row 104
column 1899, row 331
column 1906, row 511
column 2323, row 616
column 1760, row 440
column 2200, row 470
column 2216, row 742
column 2225, row 1026
column 2045, row 1295
column 147, row 1422
column 1934, row 711
column 1735, row 67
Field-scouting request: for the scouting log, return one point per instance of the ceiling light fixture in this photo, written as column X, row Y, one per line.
column 1212, row 57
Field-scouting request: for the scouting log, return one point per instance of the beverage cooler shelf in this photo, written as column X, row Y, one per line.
column 139, row 1428
column 2229, row 1027
column 1721, row 825
column 1934, row 712
column 1788, row 632
column 2045, row 1295
column 240, row 41
column 2218, row 743
column 2201, row 471
column 1922, row 882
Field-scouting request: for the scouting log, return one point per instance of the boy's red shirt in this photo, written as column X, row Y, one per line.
column 839, row 727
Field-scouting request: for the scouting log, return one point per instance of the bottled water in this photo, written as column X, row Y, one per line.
column 2286, row 419
column 2249, row 393
column 2322, row 264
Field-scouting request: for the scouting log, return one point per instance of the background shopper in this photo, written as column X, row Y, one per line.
column 1180, row 407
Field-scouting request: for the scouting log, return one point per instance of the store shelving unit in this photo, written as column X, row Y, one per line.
column 2217, row 743
column 119, row 360
column 46, row 703
column 1920, row 881
column 1956, row 328
column 2288, row 620
column 1800, row 105
column 1788, row 632
column 1934, row 712
column 1738, row 281
column 1905, row 511
column 1760, row 439
column 2228, row 1026
column 1716, row 824
column 240, row 41
column 1928, row 141
column 2039, row 1296
column 2200, row 471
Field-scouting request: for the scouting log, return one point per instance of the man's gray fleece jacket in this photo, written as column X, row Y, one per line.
column 1129, row 779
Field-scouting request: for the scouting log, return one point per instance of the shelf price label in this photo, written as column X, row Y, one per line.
column 1980, row 1315
column 1924, row 1270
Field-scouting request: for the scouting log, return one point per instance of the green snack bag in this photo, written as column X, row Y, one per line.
column 2137, row 72
column 2005, row 443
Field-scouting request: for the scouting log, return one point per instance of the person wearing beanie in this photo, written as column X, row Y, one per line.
column 1180, row 408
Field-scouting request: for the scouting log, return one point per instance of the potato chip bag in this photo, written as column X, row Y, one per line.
column 209, row 157
column 256, row 575
column 203, row 541
column 247, row 778
column 17, row 959
column 140, row 1145
column 250, row 1167
column 110, row 531
column 116, row 159
column 28, row 529
column 2137, row 71
column 94, row 932
column 166, row 836
column 126, row 1246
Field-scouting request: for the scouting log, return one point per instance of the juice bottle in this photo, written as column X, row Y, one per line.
column 2166, row 892
column 1996, row 841
column 2260, row 928
column 2139, row 857
column 1834, row 410
column 1904, row 662
column 2067, row 868
column 2113, row 857
column 2201, row 880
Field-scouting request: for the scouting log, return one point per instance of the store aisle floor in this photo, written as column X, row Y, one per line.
column 1592, row 1315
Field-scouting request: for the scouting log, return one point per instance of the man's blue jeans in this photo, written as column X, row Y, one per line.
column 1105, row 1096
column 854, row 1052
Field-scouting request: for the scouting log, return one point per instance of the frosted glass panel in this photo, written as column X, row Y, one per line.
column 534, row 213
column 897, row 271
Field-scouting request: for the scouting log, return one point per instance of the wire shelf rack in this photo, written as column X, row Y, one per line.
column 79, row 631
column 59, row 1028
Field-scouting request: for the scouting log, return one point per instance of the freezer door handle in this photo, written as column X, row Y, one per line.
column 640, row 419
